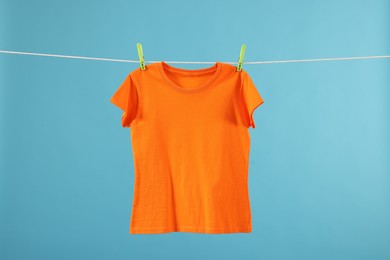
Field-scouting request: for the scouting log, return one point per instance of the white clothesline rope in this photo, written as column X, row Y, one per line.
column 197, row 62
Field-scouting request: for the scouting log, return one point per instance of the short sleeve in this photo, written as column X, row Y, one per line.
column 252, row 99
column 126, row 98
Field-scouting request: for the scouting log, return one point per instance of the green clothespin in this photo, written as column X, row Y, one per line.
column 141, row 56
column 241, row 59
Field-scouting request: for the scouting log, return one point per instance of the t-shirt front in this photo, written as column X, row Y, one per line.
column 190, row 141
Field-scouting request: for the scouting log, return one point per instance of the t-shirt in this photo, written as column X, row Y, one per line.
column 191, row 142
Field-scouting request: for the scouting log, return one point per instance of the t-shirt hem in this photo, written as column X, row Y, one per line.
column 169, row 229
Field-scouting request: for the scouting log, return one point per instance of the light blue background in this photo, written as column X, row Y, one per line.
column 319, row 176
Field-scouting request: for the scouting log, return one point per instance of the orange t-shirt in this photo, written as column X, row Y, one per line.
column 191, row 142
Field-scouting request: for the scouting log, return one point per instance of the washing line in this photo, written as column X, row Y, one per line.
column 199, row 62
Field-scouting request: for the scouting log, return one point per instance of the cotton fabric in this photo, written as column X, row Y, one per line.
column 191, row 145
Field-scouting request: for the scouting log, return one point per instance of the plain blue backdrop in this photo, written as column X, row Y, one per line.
column 319, row 176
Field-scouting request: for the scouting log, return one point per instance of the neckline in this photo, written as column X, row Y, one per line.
column 163, row 66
